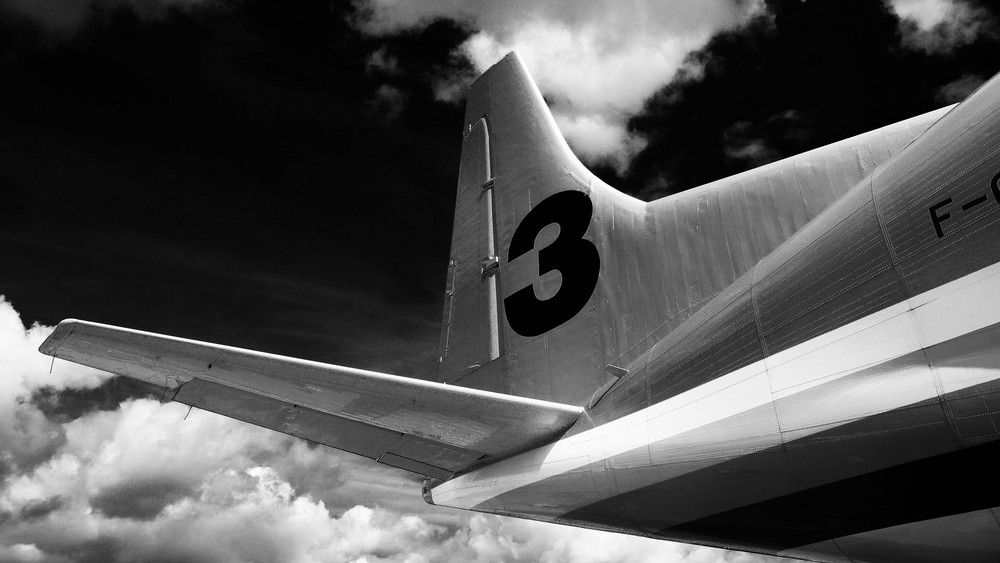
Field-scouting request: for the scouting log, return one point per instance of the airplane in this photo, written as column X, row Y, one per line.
column 799, row 360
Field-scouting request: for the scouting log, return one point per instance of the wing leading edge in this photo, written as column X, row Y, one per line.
column 429, row 428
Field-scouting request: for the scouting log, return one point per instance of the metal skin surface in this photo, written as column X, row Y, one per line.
column 420, row 426
column 808, row 345
column 799, row 360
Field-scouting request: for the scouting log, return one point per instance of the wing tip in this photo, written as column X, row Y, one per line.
column 58, row 336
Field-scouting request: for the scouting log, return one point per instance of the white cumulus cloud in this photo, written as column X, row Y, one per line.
column 596, row 61
column 140, row 482
column 925, row 13
column 595, row 139
column 937, row 26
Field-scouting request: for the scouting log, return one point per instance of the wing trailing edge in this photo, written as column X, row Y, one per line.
column 429, row 428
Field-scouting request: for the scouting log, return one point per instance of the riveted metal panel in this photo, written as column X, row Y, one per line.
column 669, row 252
column 770, row 227
column 845, row 170
column 718, row 341
column 837, row 270
column 970, row 537
column 823, row 551
column 869, row 392
column 612, row 301
column 898, row 135
column 575, row 371
column 817, row 188
column 750, row 431
column 692, row 252
column 631, row 395
column 288, row 418
column 533, row 374
column 513, row 203
column 880, row 149
column 761, row 220
column 736, row 217
column 845, row 208
column 433, row 453
column 574, row 488
column 661, row 302
column 708, row 355
column 789, row 195
column 939, row 206
column 785, row 323
column 622, row 270
column 415, row 466
column 969, row 390
column 707, row 253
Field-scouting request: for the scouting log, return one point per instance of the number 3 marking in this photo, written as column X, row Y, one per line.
column 575, row 257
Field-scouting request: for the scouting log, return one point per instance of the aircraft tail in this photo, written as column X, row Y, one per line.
column 526, row 288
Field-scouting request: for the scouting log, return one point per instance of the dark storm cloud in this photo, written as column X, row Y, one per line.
column 31, row 439
column 68, row 404
column 958, row 90
column 41, row 508
column 796, row 76
column 140, row 499
column 961, row 23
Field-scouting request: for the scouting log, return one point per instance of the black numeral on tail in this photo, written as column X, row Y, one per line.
column 576, row 259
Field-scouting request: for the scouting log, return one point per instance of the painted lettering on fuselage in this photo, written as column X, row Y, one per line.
column 942, row 210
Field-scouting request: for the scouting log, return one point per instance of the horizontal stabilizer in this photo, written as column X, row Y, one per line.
column 429, row 428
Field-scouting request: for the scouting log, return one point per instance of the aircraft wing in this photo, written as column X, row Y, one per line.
column 429, row 428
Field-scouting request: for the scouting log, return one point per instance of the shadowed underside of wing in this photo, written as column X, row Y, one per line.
column 425, row 427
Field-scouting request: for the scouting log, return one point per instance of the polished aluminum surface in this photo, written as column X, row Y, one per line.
column 445, row 428
column 806, row 343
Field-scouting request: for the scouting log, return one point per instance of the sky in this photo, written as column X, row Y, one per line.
column 280, row 176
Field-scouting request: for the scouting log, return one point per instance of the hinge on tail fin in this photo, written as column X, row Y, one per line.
column 491, row 262
column 490, row 265
column 449, row 307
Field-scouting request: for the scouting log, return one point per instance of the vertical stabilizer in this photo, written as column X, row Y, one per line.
column 559, row 284
column 525, row 290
